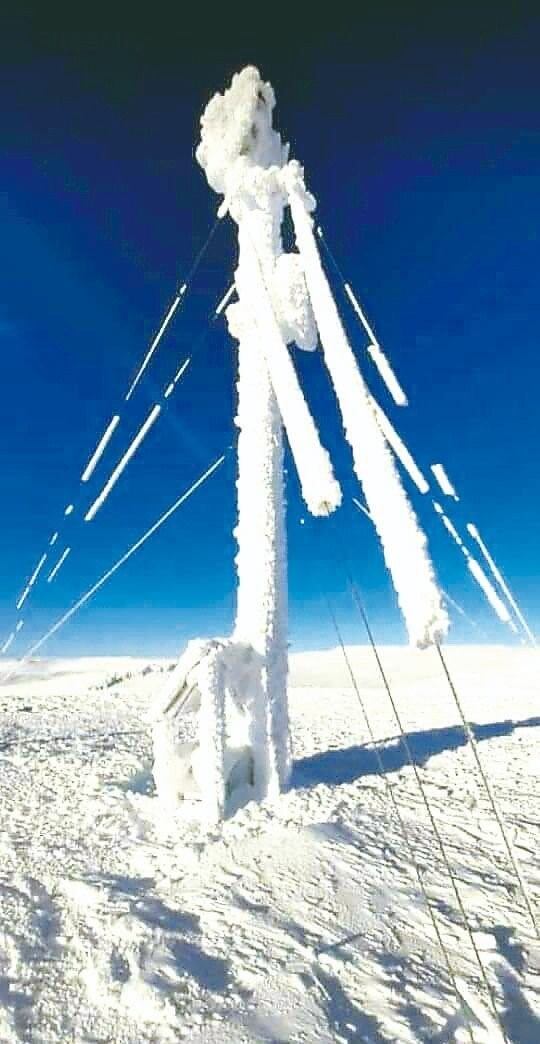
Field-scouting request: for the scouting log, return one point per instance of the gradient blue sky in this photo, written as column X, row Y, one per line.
column 420, row 138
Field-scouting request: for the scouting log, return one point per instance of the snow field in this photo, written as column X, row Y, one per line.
column 299, row 920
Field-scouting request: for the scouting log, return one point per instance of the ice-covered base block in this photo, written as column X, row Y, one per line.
column 218, row 683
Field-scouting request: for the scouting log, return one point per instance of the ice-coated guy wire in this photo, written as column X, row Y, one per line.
column 114, row 422
column 373, row 349
column 405, row 833
column 471, row 740
column 117, row 565
column 410, row 760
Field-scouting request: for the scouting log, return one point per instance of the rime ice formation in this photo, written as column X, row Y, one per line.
column 220, row 680
column 283, row 300
column 242, row 156
column 403, row 542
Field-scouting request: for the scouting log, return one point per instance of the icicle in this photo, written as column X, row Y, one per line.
column 122, row 463
column 100, row 448
column 443, row 481
column 399, row 448
column 377, row 355
column 404, row 544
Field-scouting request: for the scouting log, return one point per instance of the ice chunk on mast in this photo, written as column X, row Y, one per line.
column 237, row 132
column 403, row 542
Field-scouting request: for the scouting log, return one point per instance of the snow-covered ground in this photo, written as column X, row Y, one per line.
column 298, row 922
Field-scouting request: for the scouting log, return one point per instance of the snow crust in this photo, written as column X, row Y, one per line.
column 296, row 920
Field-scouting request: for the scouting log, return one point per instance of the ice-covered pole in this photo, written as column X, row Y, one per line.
column 242, row 156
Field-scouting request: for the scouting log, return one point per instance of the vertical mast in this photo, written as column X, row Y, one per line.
column 261, row 561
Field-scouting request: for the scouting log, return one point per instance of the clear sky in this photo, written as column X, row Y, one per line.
column 420, row 138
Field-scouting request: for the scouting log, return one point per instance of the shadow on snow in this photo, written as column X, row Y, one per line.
column 352, row 763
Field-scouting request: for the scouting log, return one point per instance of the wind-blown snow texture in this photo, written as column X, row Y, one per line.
column 298, row 921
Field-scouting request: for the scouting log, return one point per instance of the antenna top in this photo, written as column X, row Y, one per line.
column 237, row 132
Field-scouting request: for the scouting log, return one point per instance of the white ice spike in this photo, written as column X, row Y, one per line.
column 403, row 542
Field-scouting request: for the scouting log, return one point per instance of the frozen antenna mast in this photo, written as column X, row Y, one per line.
column 240, row 685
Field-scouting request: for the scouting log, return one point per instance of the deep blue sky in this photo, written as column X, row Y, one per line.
column 421, row 141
